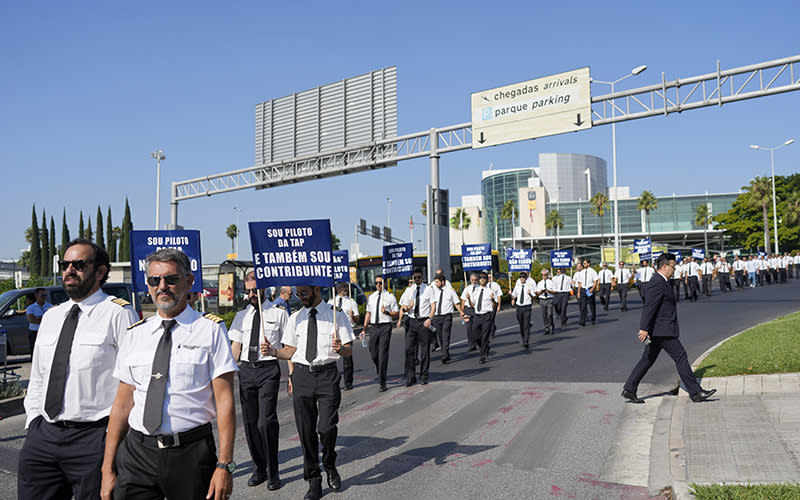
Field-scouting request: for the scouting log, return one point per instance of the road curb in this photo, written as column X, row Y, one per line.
column 12, row 406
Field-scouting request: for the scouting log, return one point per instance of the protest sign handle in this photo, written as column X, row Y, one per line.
column 261, row 323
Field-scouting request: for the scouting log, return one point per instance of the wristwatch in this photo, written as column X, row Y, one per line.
column 228, row 466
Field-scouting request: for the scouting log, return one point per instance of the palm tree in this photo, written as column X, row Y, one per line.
column 647, row 202
column 460, row 221
column 554, row 222
column 701, row 219
column 760, row 191
column 423, row 208
column 510, row 212
column 598, row 206
column 792, row 208
column 232, row 232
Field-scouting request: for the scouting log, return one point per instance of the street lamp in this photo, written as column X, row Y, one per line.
column 388, row 212
column 634, row 71
column 774, row 204
column 237, row 210
column 158, row 155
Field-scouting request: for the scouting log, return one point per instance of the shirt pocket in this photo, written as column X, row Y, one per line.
column 140, row 368
column 272, row 333
column 91, row 351
column 190, row 368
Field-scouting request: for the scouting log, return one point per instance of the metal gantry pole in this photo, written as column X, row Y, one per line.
column 433, row 234
column 774, row 204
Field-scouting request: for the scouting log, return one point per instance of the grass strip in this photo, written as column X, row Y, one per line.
column 746, row 492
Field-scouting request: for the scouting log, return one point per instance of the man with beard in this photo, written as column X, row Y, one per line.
column 381, row 310
column 71, row 388
column 314, row 345
column 444, row 302
column 259, row 379
column 416, row 304
column 469, row 311
column 521, row 300
column 175, row 372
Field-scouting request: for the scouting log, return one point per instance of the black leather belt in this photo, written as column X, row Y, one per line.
column 316, row 368
column 256, row 364
column 173, row 440
column 71, row 424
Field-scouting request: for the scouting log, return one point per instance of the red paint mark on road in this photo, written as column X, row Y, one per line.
column 593, row 407
column 597, row 391
column 607, row 418
column 294, row 438
column 557, row 492
column 484, row 462
column 626, row 491
column 492, row 422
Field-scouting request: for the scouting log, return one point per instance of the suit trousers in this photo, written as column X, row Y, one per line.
column 675, row 349
column 347, row 370
column 676, row 287
column 259, row 386
column 693, row 286
column 483, row 331
column 470, row 313
column 586, row 303
column 380, row 335
column 444, row 325
column 56, row 463
column 707, row 284
column 316, row 400
column 547, row 314
column 493, row 324
column 561, row 304
column 524, row 320
column 640, row 288
column 417, row 336
column 739, row 275
column 622, row 290
column 147, row 472
column 725, row 282
column 782, row 274
column 605, row 294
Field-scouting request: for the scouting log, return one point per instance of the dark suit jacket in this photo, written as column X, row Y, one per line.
column 659, row 314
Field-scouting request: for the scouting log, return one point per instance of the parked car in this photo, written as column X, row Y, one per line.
column 15, row 322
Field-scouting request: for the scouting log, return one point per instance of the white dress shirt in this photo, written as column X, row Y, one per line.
column 487, row 299
column 425, row 299
column 545, row 285
column 89, row 389
column 691, row 269
column 388, row 303
column 644, row 274
column 448, row 298
column 296, row 334
column 200, row 353
column 585, row 278
column 623, row 276
column 604, row 276
column 349, row 307
column 563, row 283
column 526, row 289
column 274, row 323
column 708, row 268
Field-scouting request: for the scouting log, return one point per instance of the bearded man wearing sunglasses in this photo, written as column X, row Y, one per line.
column 71, row 386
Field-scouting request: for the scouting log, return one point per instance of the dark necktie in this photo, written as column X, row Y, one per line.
column 522, row 294
column 255, row 329
column 154, row 401
column 339, row 306
column 416, row 304
column 480, row 299
column 311, row 336
column 54, row 400
column 378, row 307
column 441, row 296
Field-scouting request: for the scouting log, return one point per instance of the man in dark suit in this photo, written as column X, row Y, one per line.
column 658, row 329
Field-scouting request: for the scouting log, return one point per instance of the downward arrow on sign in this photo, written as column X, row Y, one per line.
column 579, row 122
column 482, row 140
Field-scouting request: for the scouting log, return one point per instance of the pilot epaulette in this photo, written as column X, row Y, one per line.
column 280, row 306
column 121, row 302
column 213, row 317
column 137, row 323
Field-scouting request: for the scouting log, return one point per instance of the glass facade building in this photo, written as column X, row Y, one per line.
column 496, row 189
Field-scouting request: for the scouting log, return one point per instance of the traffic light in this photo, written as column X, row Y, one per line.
column 387, row 234
column 362, row 227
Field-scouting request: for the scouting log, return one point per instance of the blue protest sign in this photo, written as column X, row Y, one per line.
column 519, row 260
column 656, row 254
column 560, row 258
column 698, row 253
column 642, row 246
column 476, row 257
column 341, row 266
column 677, row 254
column 287, row 253
column 143, row 243
column 762, row 254
column 398, row 260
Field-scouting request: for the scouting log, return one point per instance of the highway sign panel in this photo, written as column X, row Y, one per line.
column 546, row 106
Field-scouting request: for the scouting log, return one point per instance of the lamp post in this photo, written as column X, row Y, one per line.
column 237, row 210
column 634, row 71
column 158, row 155
column 774, row 203
column 388, row 212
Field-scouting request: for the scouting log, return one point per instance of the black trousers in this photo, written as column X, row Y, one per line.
column 622, row 290
column 585, row 303
column 676, row 351
column 316, row 400
column 493, row 325
column 524, row 320
column 470, row 313
column 693, row 285
column 347, row 370
column 604, row 292
column 483, row 331
column 561, row 304
column 782, row 274
column 707, row 284
column 147, row 472
column 676, row 287
column 259, row 386
column 380, row 335
column 686, row 288
column 740, row 281
column 418, row 336
column 640, row 287
column 547, row 314
column 725, row 282
column 444, row 325
column 56, row 463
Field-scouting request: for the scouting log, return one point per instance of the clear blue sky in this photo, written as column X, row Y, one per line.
column 88, row 90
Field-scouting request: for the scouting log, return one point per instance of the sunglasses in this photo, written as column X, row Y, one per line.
column 171, row 279
column 78, row 265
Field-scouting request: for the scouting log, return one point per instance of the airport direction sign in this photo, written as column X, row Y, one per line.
column 546, row 106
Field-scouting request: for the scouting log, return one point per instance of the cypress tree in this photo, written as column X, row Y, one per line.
column 81, row 228
column 44, row 270
column 53, row 250
column 111, row 243
column 125, row 237
column 36, row 246
column 64, row 234
column 100, row 239
column 89, row 232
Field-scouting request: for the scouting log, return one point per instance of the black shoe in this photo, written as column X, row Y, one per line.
column 473, row 348
column 383, row 388
column 483, row 359
column 314, row 489
column 582, row 324
column 436, row 348
column 274, row 484
column 631, row 396
column 334, row 480
column 525, row 345
column 424, row 381
column 257, row 478
column 411, row 382
column 445, row 360
column 702, row 395
column 348, row 387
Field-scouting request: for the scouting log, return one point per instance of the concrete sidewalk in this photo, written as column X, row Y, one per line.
column 747, row 433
